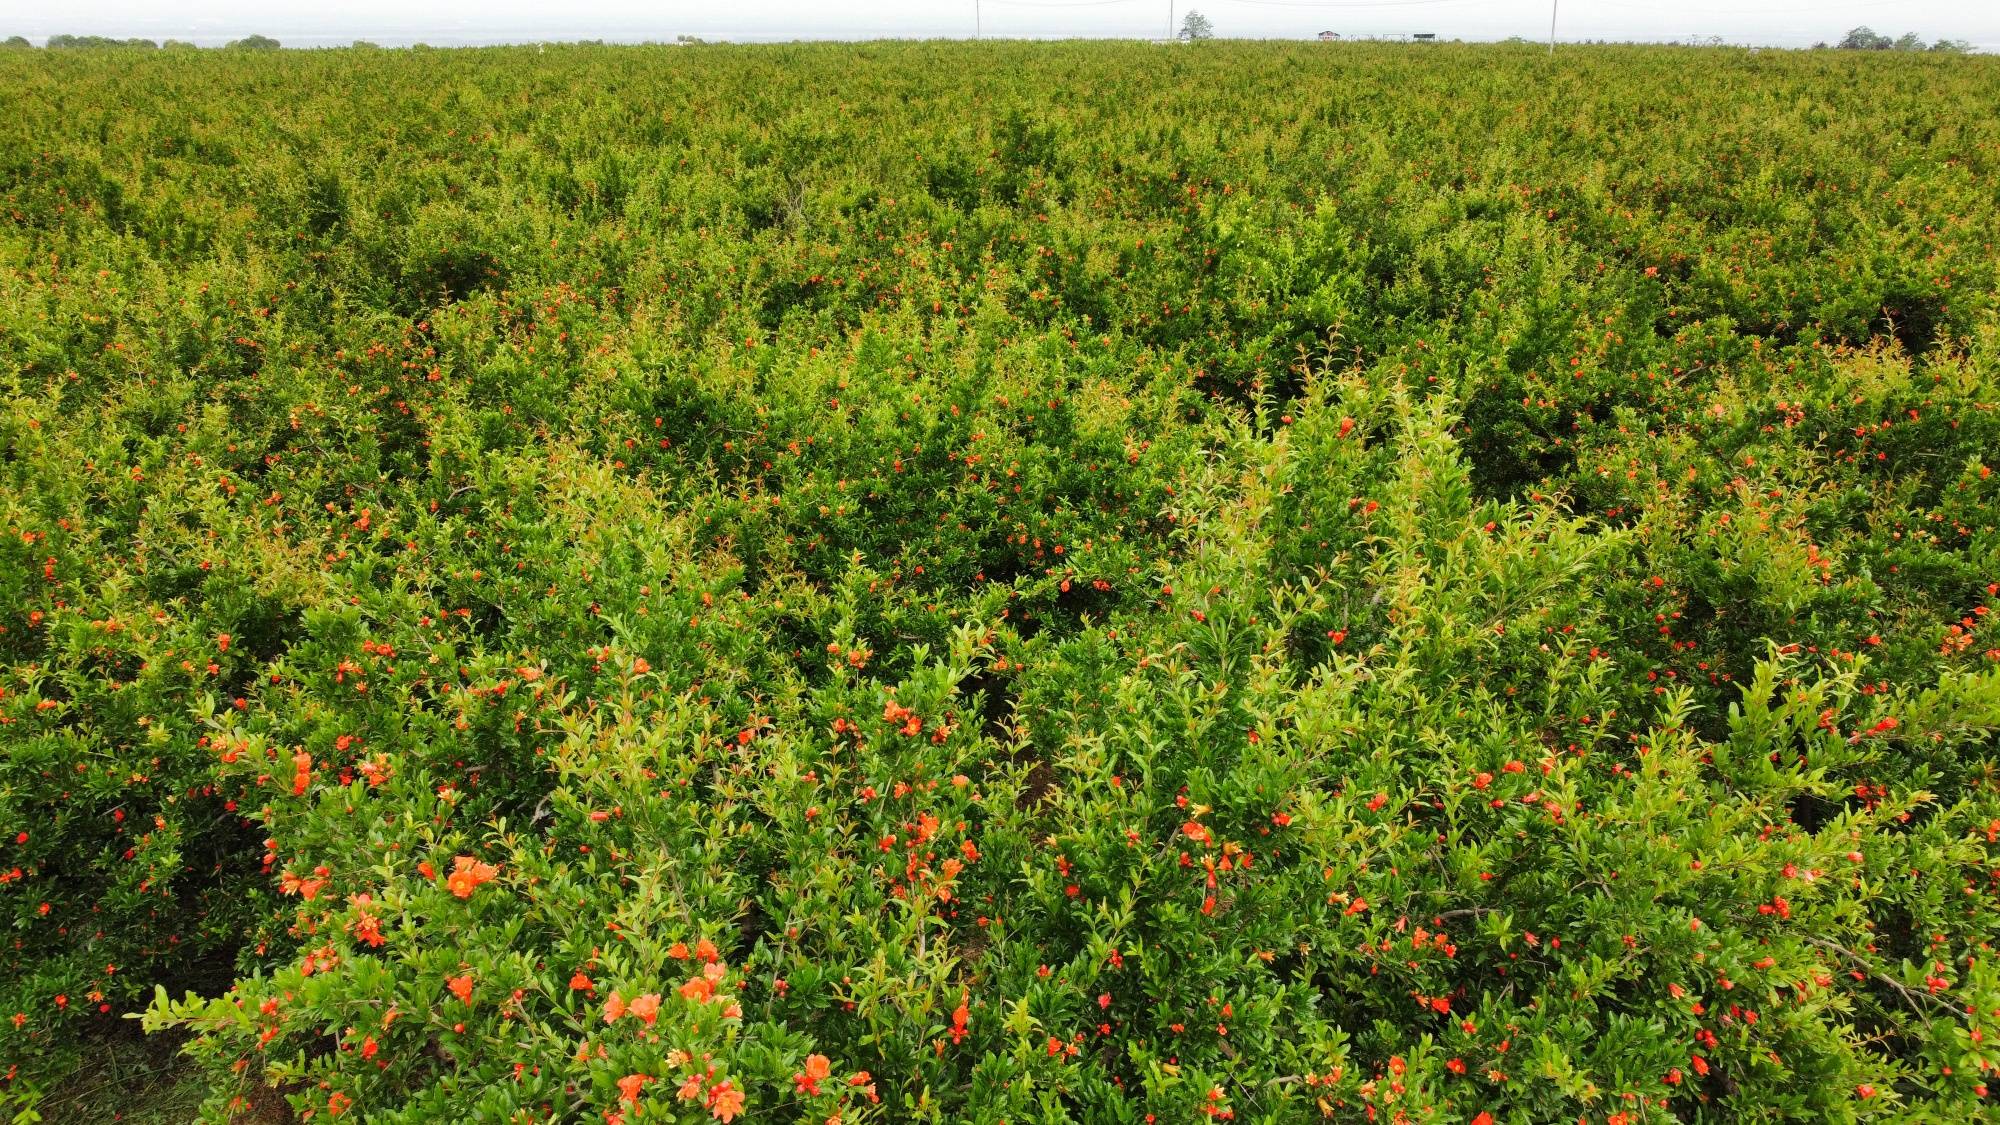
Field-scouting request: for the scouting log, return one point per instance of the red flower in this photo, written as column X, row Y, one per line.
column 461, row 986
column 961, row 1019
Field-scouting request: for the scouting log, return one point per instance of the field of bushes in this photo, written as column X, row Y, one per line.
column 1002, row 583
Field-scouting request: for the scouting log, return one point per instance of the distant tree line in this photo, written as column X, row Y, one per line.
column 75, row 42
column 1194, row 27
column 1868, row 39
column 62, row 42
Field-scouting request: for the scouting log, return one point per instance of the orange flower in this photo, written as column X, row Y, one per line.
column 461, row 986
column 580, row 983
column 818, row 1067
column 614, row 1007
column 865, row 1082
column 628, row 1086
column 698, row 989
column 646, row 1007
column 366, row 927
column 961, row 1018
column 467, row 874
column 726, row 1101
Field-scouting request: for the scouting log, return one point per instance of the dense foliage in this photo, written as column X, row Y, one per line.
column 1013, row 583
column 1868, row 39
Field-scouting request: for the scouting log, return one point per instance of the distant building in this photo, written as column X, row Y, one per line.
column 1425, row 37
column 1328, row 36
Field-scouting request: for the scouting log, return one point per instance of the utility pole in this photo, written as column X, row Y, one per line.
column 1552, row 27
column 1170, row 19
column 978, row 25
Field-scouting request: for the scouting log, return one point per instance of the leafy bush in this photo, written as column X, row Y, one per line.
column 1055, row 582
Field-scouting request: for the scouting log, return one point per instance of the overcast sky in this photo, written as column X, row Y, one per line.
column 443, row 22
